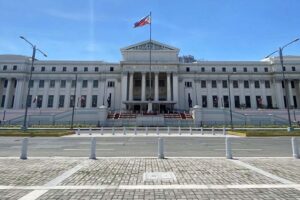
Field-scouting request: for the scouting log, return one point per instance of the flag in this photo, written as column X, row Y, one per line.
column 34, row 100
column 142, row 22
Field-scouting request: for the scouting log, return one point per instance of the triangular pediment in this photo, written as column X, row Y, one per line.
column 145, row 45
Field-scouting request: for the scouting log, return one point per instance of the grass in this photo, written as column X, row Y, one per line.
column 264, row 133
column 35, row 133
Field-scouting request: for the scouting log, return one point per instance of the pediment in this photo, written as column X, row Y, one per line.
column 145, row 45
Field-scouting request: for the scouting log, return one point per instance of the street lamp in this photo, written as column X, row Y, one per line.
column 74, row 101
column 34, row 49
column 229, row 100
column 284, row 80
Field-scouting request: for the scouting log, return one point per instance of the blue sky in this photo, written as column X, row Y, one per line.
column 97, row 29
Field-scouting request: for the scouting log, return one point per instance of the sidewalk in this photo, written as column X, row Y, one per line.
column 149, row 178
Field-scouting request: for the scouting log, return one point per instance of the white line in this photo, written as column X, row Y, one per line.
column 39, row 192
column 88, row 149
column 44, row 189
column 240, row 149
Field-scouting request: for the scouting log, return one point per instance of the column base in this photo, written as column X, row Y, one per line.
column 150, row 110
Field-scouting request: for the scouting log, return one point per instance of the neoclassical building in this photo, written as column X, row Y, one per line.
column 133, row 84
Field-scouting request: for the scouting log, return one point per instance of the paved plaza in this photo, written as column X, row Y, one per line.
column 131, row 178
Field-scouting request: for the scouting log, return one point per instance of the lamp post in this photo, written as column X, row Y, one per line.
column 229, row 100
column 74, row 101
column 284, row 79
column 34, row 49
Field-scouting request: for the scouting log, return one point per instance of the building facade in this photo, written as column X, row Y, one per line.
column 141, row 84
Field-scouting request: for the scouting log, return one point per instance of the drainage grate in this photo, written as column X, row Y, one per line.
column 159, row 176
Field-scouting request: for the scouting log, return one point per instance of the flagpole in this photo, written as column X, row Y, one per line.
column 150, row 57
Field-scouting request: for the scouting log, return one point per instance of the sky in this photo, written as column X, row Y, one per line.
column 215, row 30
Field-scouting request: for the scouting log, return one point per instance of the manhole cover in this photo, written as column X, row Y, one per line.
column 159, row 176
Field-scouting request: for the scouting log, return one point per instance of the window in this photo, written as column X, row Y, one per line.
column 64, row 69
column 39, row 101
column 282, row 84
column 5, row 83
column 85, row 69
column 96, row 69
column 31, row 83
column 32, row 69
column 214, row 84
column 188, row 84
column 15, row 83
column 187, row 69
column 246, row 84
column 61, row 101
column 266, row 69
column 259, row 102
column 41, row 83
column 256, row 84
column 29, row 100
column 4, row 67
column 255, row 69
column 82, row 100
column 226, row 101
column 234, row 69
column 245, row 69
column 292, row 84
column 52, row 83
column 235, row 84
column 63, row 84
column 50, row 101
column 203, row 84
column 224, row 84
column 293, row 68
column 236, row 101
column 53, row 69
column 84, row 84
column 215, row 101
column 42, row 69
column 248, row 101
column 95, row 83
column 202, row 69
column 72, row 100
column 223, row 69
column 111, row 69
column 204, row 101
column 267, row 84
column 161, row 83
column 73, row 83
column 94, row 101
column 15, row 67
column 213, row 69
column 283, row 68
column 74, row 69
column 110, row 84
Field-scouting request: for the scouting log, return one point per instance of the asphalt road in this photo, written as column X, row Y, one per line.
column 147, row 146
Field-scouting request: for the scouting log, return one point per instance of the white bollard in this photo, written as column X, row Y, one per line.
column 93, row 149
column 179, row 130
column 146, row 130
column 191, row 132
column 224, row 131
column 161, row 148
column 135, row 130
column 113, row 130
column 168, row 130
column 295, row 148
column 201, row 129
column 102, row 130
column 124, row 130
column 157, row 131
column 213, row 130
column 24, row 149
column 78, row 131
column 228, row 148
column 90, row 131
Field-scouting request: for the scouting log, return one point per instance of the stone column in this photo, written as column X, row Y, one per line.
column 297, row 87
column 68, row 93
column 131, row 86
column 78, row 92
column 156, row 92
column 168, row 87
column 7, row 94
column 279, row 94
column 175, row 90
column 143, row 92
column 89, row 94
column 46, row 94
column 56, row 94
column 290, row 93
column 253, row 95
column 124, row 89
column 263, row 93
column 19, row 93
column 1, row 89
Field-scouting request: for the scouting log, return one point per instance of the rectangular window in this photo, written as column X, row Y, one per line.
column 246, row 84
column 95, row 83
column 204, row 101
column 63, row 84
column 42, row 69
column 292, row 84
column 223, row 69
column 64, row 69
column 111, row 69
column 83, row 101
column 84, row 84
column 295, row 102
column 72, row 100
column 161, row 83
column 112, row 83
column 74, row 69
column 236, row 101
column 39, row 101
column 255, row 69
column 3, row 101
column 53, row 69
column 4, row 69
column 235, row 84
column 187, row 69
column 256, row 84
column 283, row 68
column 50, row 101
column 269, row 102
column 188, row 84
column 224, row 84
column 215, row 101
column 282, row 84
column 73, row 83
column 213, row 69
column 138, row 83
column 248, row 101
column 259, row 102
column 293, row 68
column 41, row 83
column 61, row 101
column 31, row 83
column 245, row 69
column 266, row 69
column 96, row 69
column 94, row 101
column 202, row 69
column 234, row 69
column 267, row 84
column 15, row 67
column 52, row 83
column 226, row 101
column 214, row 84
column 203, row 84
column 5, row 83
column 29, row 100
column 85, row 69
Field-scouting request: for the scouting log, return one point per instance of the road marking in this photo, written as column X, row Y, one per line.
column 88, row 149
column 39, row 192
column 240, row 149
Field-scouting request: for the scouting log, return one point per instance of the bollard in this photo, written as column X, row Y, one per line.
column 168, row 130
column 228, row 148
column 24, row 149
column 93, row 149
column 78, row 131
column 202, row 130
column 135, row 130
column 90, row 131
column 161, row 148
column 146, row 129
column 213, row 130
column 224, row 131
column 157, row 131
column 295, row 148
column 191, row 132
column 179, row 130
column 124, row 130
column 102, row 130
column 113, row 130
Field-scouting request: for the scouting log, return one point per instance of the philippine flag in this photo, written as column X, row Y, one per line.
column 144, row 21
